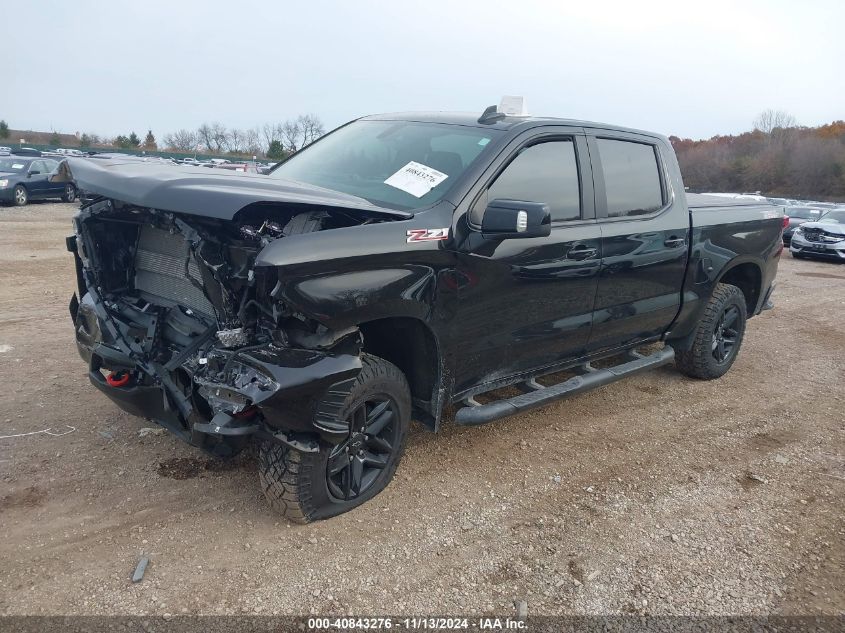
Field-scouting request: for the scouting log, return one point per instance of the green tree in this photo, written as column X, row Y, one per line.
column 55, row 139
column 121, row 141
column 276, row 151
column 4, row 129
column 134, row 141
column 84, row 140
column 150, row 141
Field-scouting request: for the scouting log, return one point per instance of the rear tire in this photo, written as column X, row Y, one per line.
column 718, row 335
column 306, row 487
column 21, row 196
column 798, row 255
column 70, row 194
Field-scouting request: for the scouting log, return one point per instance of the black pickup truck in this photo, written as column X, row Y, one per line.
column 401, row 266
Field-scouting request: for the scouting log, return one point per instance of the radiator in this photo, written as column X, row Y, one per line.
column 166, row 271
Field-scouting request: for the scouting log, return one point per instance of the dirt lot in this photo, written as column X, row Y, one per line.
column 656, row 495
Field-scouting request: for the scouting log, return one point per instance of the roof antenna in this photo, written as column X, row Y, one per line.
column 491, row 114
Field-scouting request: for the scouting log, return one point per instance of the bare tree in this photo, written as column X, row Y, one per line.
column 205, row 136
column 310, row 127
column 290, row 135
column 271, row 132
column 770, row 120
column 235, row 140
column 296, row 134
column 219, row 136
column 252, row 141
column 183, row 141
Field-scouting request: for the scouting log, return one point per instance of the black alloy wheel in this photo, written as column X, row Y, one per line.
column 355, row 464
column 726, row 334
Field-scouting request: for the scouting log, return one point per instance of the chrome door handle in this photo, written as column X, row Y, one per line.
column 580, row 252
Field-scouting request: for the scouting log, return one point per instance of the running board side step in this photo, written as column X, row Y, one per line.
column 475, row 413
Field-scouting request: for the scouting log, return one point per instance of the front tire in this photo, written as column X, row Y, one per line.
column 21, row 196
column 718, row 335
column 70, row 194
column 305, row 487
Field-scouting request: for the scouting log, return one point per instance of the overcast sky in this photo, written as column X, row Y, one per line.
column 694, row 69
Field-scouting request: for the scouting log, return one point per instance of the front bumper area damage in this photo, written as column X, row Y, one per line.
column 178, row 326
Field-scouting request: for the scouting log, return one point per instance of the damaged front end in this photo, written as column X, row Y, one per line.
column 178, row 325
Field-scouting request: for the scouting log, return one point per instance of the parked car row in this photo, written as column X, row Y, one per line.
column 243, row 166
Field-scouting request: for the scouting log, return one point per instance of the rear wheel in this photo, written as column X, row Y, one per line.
column 70, row 193
column 797, row 255
column 718, row 335
column 308, row 486
column 21, row 196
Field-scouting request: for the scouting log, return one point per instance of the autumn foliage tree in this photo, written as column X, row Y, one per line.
column 777, row 158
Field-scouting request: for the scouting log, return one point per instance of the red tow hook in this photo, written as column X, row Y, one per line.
column 118, row 378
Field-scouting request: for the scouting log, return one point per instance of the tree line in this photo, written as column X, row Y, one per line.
column 778, row 157
column 271, row 140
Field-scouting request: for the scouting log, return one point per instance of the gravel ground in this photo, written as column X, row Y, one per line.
column 656, row 495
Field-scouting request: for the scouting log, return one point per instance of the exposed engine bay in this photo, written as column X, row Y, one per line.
column 173, row 303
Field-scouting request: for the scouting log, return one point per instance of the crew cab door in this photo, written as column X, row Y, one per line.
column 644, row 239
column 527, row 303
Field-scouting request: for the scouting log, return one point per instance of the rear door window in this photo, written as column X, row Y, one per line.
column 631, row 177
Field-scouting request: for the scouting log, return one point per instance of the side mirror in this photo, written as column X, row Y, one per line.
column 509, row 219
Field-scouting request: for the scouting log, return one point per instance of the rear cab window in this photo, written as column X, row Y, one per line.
column 632, row 180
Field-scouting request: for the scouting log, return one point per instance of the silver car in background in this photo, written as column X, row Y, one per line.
column 824, row 239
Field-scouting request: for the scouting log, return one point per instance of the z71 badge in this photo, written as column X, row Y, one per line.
column 427, row 235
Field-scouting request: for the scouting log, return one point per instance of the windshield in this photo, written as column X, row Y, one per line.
column 803, row 214
column 834, row 217
column 397, row 164
column 12, row 165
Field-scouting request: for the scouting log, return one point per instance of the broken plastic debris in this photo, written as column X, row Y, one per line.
column 140, row 569
column 48, row 431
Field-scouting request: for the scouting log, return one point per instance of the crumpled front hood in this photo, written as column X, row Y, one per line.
column 201, row 190
column 828, row 227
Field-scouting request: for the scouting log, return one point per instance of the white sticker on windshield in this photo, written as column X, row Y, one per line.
column 17, row 166
column 416, row 179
